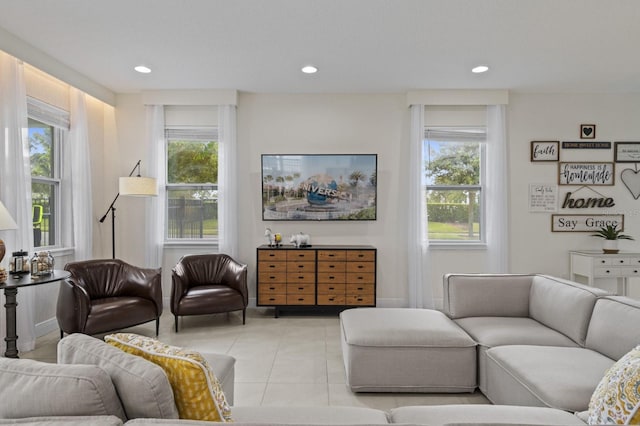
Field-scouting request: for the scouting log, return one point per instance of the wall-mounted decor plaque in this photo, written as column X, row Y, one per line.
column 586, row 173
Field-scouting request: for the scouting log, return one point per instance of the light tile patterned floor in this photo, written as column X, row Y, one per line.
column 291, row 360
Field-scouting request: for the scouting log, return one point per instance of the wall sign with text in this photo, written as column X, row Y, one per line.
column 586, row 173
column 545, row 150
column 585, row 222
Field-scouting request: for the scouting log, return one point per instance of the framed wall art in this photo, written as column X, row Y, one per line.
column 545, row 151
column 319, row 187
column 586, row 173
column 587, row 131
column 626, row 152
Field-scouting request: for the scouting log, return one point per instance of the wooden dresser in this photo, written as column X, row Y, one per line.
column 316, row 277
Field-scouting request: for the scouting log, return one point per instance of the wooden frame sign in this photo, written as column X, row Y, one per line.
column 627, row 152
column 586, row 173
column 584, row 222
column 545, row 150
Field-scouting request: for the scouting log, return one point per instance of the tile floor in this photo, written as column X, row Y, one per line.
column 290, row 360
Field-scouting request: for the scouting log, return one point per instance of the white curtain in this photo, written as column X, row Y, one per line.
column 157, row 166
column 227, row 181
column 76, row 177
column 15, row 186
column 420, row 287
column 496, row 190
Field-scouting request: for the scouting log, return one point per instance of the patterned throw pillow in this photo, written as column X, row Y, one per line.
column 196, row 390
column 616, row 400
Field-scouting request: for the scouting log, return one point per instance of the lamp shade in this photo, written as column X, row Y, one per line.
column 6, row 221
column 138, row 186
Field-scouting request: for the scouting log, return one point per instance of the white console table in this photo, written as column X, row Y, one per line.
column 594, row 265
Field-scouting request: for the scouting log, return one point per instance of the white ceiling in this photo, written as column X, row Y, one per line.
column 358, row 45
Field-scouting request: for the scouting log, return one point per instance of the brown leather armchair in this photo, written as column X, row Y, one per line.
column 208, row 284
column 108, row 294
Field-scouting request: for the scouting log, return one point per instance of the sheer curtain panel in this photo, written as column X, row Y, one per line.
column 77, row 192
column 497, row 190
column 157, row 168
column 227, row 181
column 15, row 186
column 420, row 287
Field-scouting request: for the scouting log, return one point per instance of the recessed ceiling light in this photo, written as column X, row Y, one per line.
column 309, row 69
column 142, row 69
column 480, row 69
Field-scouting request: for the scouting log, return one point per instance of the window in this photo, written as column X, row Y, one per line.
column 453, row 170
column 48, row 128
column 192, row 184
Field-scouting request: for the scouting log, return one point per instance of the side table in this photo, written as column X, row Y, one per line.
column 10, row 288
column 595, row 265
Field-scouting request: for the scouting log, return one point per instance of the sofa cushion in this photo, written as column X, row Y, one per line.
column 31, row 388
column 197, row 393
column 616, row 400
column 613, row 330
column 64, row 421
column 557, row 377
column 499, row 331
column 551, row 298
column 143, row 387
column 436, row 415
column 483, row 295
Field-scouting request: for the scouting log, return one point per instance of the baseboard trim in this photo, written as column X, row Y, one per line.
column 46, row 327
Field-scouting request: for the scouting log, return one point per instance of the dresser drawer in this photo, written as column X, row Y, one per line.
column 324, row 288
column 272, row 277
column 355, row 289
column 272, row 299
column 301, row 267
column 332, row 267
column 361, row 255
column 331, row 299
column 606, row 272
column 630, row 271
column 361, row 267
column 271, row 267
column 301, row 277
column 361, row 277
column 272, row 255
column 301, row 289
column 359, row 300
column 340, row 255
column 296, row 255
column 272, row 288
column 331, row 277
column 301, row 299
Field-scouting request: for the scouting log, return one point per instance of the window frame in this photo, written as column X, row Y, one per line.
column 58, row 120
column 459, row 134
column 202, row 134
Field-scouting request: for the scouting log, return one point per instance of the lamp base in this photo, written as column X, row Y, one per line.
column 3, row 250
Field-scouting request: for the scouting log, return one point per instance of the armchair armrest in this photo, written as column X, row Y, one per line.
column 486, row 295
column 145, row 283
column 235, row 276
column 73, row 306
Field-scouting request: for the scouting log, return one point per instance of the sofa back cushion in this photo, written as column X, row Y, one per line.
column 33, row 389
column 614, row 327
column 562, row 305
column 486, row 295
column 142, row 386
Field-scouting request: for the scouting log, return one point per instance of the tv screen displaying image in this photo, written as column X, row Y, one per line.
column 319, row 186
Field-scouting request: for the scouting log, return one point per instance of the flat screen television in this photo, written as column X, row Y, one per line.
column 319, row 186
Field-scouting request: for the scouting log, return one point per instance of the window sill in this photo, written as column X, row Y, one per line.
column 191, row 243
column 456, row 246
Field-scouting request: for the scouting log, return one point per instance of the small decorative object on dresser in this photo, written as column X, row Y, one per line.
column 274, row 239
column 300, row 240
column 611, row 235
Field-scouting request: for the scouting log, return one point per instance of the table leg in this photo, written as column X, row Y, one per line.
column 10, row 295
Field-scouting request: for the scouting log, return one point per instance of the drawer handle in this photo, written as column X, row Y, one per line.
column 635, row 271
column 300, row 277
column 332, row 266
column 602, row 261
column 331, row 299
column 331, row 255
column 361, row 255
column 332, row 288
column 360, row 266
column 360, row 288
column 300, row 266
column 272, row 288
column 608, row 271
column 272, row 266
column 621, row 261
column 272, row 278
column 272, row 299
column 272, row 255
column 300, row 299
column 360, row 299
column 360, row 277
column 331, row 277
column 301, row 255
column 300, row 288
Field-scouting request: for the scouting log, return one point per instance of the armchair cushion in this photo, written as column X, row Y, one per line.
column 197, row 392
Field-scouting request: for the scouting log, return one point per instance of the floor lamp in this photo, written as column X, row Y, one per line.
column 136, row 186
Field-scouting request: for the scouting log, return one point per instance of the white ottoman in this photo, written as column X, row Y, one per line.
column 406, row 350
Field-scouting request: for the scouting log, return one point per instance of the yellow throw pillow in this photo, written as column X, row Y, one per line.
column 616, row 400
column 196, row 390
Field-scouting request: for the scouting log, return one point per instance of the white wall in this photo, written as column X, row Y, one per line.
column 378, row 123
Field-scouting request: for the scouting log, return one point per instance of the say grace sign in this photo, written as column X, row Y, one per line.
column 585, row 222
